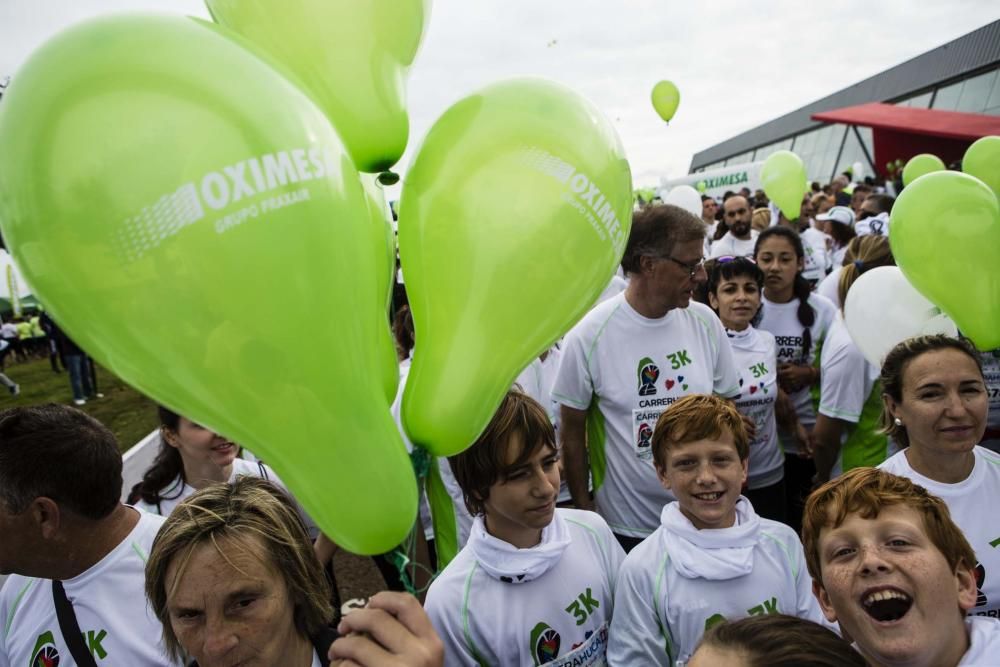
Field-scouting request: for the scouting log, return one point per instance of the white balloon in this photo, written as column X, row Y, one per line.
column 858, row 172
column 686, row 197
column 884, row 309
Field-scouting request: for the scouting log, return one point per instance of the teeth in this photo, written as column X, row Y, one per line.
column 709, row 496
column 879, row 596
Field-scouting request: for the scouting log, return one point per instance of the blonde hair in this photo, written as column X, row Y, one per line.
column 246, row 513
column 760, row 219
column 863, row 253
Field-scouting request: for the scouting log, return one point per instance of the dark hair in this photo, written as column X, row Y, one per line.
column 58, row 452
column 402, row 330
column 166, row 467
column 882, row 202
column 705, row 198
column 861, row 187
column 779, row 640
column 656, row 230
column 863, row 254
column 894, row 367
column 737, row 266
column 801, row 287
column 842, row 234
column 485, row 463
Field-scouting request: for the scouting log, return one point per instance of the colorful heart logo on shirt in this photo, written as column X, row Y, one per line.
column 680, row 378
column 753, row 390
column 684, row 387
column 763, row 387
column 670, row 383
column 741, row 382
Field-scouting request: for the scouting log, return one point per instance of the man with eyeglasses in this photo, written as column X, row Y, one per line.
column 627, row 360
column 741, row 237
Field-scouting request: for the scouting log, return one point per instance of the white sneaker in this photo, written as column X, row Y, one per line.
column 78, row 401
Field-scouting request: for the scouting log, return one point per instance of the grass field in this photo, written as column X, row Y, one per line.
column 129, row 414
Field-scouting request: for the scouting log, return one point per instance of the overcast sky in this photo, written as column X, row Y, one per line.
column 737, row 63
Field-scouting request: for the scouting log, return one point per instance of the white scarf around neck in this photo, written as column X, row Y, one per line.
column 715, row 554
column 505, row 562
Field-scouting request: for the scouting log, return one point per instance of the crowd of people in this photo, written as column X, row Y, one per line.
column 705, row 470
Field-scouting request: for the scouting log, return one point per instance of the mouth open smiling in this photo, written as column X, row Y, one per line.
column 886, row 605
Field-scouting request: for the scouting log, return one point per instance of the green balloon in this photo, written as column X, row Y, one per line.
column 666, row 99
column 701, row 186
column 513, row 217
column 945, row 232
column 918, row 165
column 982, row 160
column 384, row 247
column 185, row 212
column 351, row 56
column 785, row 183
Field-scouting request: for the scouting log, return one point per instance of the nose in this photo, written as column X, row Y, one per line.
column 706, row 476
column 220, row 638
column 872, row 561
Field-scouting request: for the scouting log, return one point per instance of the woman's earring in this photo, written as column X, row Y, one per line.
column 897, row 421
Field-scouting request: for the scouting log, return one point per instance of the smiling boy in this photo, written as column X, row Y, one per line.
column 534, row 584
column 712, row 558
column 891, row 566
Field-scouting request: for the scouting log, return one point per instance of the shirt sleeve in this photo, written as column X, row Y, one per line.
column 637, row 636
column 574, row 386
column 448, row 614
column 727, row 376
column 842, row 389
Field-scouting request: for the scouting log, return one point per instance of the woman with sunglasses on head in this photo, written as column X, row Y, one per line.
column 734, row 293
column 799, row 320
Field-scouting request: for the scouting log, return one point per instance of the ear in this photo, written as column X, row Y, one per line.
column 169, row 437
column 44, row 513
column 965, row 579
column 646, row 263
column 713, row 301
column 824, row 601
column 890, row 404
column 662, row 474
column 746, row 469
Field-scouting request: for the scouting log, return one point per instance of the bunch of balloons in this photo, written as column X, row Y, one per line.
column 196, row 204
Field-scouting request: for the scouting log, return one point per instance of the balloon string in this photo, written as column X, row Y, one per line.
column 403, row 557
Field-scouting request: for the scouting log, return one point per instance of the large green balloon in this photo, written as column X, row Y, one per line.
column 784, row 179
column 384, row 247
column 945, row 236
column 513, row 218
column 352, row 56
column 982, row 160
column 918, row 165
column 186, row 214
column 666, row 99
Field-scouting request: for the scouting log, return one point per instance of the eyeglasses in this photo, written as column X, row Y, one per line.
column 692, row 269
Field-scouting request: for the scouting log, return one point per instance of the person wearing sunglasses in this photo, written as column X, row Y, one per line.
column 628, row 359
column 740, row 238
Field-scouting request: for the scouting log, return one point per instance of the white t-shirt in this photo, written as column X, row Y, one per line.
column 850, row 391
column 970, row 502
column 423, row 506
column 625, row 369
column 991, row 374
column 818, row 259
column 782, row 320
column 558, row 616
column 837, row 256
column 730, row 245
column 109, row 601
column 830, row 287
column 984, row 642
column 178, row 490
column 671, row 590
column 755, row 355
column 616, row 286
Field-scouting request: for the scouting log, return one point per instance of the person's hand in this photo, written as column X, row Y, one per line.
column 793, row 377
column 392, row 631
column 805, row 440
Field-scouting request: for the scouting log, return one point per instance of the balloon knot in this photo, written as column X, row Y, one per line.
column 387, row 178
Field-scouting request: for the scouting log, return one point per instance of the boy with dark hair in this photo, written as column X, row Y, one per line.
column 894, row 570
column 712, row 558
column 534, row 583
